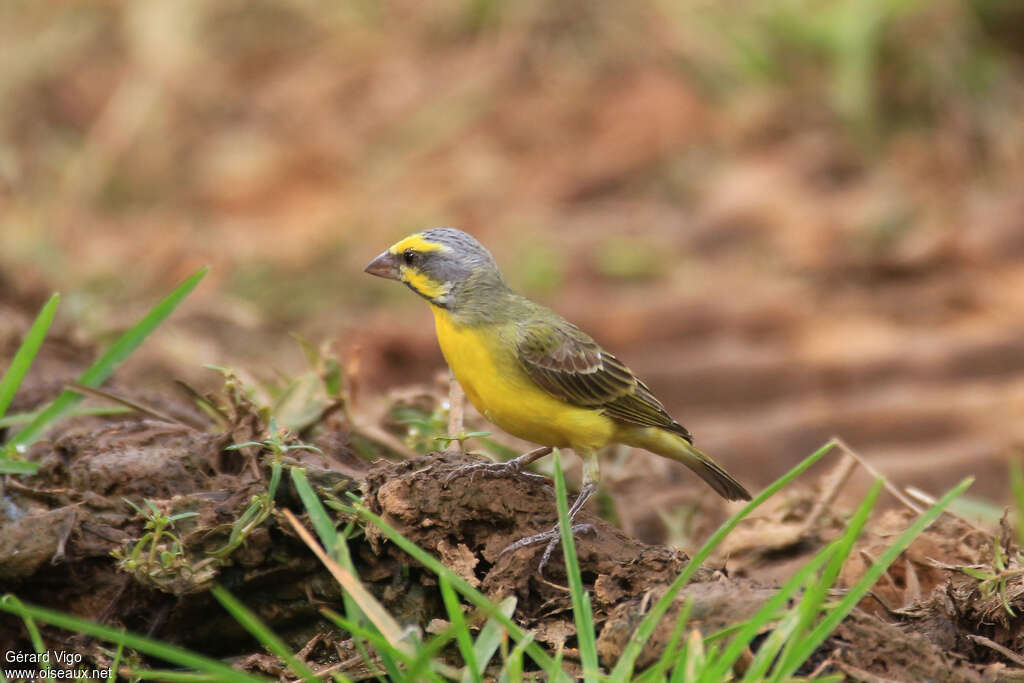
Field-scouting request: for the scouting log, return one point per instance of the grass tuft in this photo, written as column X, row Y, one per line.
column 623, row 670
column 99, row 371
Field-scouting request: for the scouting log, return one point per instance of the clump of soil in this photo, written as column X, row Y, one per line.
column 467, row 521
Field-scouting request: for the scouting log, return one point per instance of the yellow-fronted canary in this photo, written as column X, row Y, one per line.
column 531, row 372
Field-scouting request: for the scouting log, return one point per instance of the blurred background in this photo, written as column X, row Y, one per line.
column 794, row 219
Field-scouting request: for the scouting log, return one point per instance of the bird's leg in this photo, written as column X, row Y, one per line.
column 510, row 468
column 456, row 403
column 553, row 536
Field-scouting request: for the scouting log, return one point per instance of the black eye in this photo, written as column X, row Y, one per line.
column 409, row 256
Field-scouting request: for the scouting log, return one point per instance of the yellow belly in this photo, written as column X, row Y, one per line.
column 499, row 388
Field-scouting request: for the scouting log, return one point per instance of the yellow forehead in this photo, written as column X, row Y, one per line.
column 418, row 243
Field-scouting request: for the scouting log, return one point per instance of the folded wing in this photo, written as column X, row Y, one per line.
column 571, row 366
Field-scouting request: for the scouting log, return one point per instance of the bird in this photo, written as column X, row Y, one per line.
column 534, row 374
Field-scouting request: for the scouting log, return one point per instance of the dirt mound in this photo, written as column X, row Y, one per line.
column 129, row 521
column 68, row 539
column 469, row 521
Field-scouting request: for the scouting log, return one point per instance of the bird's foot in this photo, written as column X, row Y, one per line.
column 554, row 535
column 491, row 469
column 513, row 467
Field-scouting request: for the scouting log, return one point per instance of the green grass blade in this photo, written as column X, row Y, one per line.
column 26, row 353
column 99, row 371
column 657, row 672
column 489, row 640
column 554, row 668
column 34, row 636
column 816, row 637
column 462, row 635
column 512, row 672
column 251, row 623
column 368, row 604
column 415, row 661
column 379, row 642
column 679, row 667
column 623, row 670
column 381, row 645
column 584, row 618
column 772, row 645
column 426, row 656
column 694, row 659
column 173, row 676
column 10, row 466
column 810, row 606
column 318, row 517
column 115, row 663
column 169, row 653
column 769, row 610
column 275, row 479
column 371, row 666
column 359, row 603
column 1017, row 489
column 461, row 585
column 336, row 547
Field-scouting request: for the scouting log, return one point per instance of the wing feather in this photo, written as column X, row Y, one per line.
column 571, row 366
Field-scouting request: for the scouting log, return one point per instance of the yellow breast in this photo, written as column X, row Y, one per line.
column 486, row 366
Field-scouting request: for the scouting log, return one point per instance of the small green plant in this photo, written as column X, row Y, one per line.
column 301, row 401
column 1004, row 572
column 423, row 427
column 295, row 402
column 276, row 443
column 262, row 505
column 159, row 551
column 1004, row 569
column 427, row 430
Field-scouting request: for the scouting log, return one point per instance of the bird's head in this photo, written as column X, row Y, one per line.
column 445, row 266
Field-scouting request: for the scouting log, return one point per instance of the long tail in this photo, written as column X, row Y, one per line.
column 674, row 446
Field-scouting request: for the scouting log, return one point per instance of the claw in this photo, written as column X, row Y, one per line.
column 553, row 543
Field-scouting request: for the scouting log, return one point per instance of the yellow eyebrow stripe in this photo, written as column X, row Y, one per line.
column 417, row 243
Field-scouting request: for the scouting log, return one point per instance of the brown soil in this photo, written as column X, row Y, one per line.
column 61, row 530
